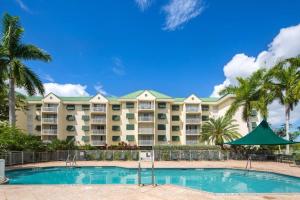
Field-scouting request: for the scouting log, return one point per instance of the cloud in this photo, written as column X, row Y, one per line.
column 67, row 89
column 179, row 12
column 100, row 89
column 23, row 6
column 143, row 4
column 118, row 67
column 286, row 44
column 49, row 78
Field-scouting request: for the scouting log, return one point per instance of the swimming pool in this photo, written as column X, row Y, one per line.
column 210, row 180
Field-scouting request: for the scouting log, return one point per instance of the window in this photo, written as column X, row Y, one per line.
column 129, row 105
column 161, row 127
column 70, row 107
column 85, row 138
column 38, row 106
column 205, row 107
column 253, row 113
column 116, row 107
column 85, row 128
column 162, row 105
column 116, row 138
column 116, row 128
column 70, row 118
column 161, row 116
column 38, row 117
column 130, row 138
column 253, row 125
column 70, row 128
column 175, row 107
column 161, row 138
column 175, row 138
column 130, row 127
column 70, row 138
column 85, row 117
column 205, row 118
column 85, row 107
column 175, row 128
column 175, row 118
column 116, row 118
column 38, row 128
column 130, row 115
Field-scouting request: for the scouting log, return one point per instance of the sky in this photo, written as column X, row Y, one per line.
column 177, row 47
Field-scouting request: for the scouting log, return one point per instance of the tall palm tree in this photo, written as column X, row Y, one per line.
column 12, row 53
column 220, row 130
column 250, row 94
column 286, row 84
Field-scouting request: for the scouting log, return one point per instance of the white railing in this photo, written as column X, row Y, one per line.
column 192, row 108
column 146, row 142
column 99, row 109
column 192, row 131
column 50, row 120
column 98, row 131
column 191, row 142
column 193, row 120
column 99, row 120
column 146, row 106
column 49, row 109
column 49, row 132
column 145, row 131
column 146, row 118
column 98, row 142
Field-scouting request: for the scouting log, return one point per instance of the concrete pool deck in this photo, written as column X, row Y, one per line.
column 133, row 192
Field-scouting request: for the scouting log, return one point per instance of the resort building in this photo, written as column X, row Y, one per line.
column 143, row 118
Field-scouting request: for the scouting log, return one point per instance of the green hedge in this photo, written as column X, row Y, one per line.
column 186, row 147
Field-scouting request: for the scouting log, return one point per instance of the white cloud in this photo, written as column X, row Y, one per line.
column 67, row 89
column 286, row 44
column 143, row 4
column 49, row 78
column 118, row 67
column 178, row 12
column 23, row 6
column 100, row 89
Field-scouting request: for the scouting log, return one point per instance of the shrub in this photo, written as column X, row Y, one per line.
column 186, row 147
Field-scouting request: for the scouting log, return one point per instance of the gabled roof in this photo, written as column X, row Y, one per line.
column 137, row 93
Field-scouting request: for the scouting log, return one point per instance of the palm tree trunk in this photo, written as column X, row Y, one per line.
column 248, row 124
column 287, row 127
column 12, row 102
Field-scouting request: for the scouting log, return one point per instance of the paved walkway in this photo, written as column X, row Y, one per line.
column 132, row 192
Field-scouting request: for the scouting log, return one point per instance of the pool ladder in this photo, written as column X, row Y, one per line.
column 71, row 162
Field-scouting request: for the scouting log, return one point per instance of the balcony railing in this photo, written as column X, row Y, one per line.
column 193, row 109
column 99, row 120
column 98, row 109
column 146, row 118
column 192, row 142
column 49, row 120
column 98, row 142
column 146, row 131
column 193, row 120
column 192, row 131
column 99, row 131
column 49, row 109
column 146, row 142
column 49, row 132
column 146, row 106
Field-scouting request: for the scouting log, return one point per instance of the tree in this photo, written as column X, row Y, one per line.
column 286, row 84
column 12, row 53
column 250, row 95
column 219, row 130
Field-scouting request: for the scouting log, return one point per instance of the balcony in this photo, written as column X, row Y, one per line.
column 145, row 130
column 49, row 109
column 146, row 142
column 98, row 142
column 98, row 131
column 49, row 132
column 146, row 118
column 193, row 120
column 49, row 120
column 146, row 106
column 99, row 120
column 193, row 109
column 192, row 132
column 99, row 109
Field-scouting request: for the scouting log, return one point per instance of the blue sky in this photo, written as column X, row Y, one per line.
column 177, row 47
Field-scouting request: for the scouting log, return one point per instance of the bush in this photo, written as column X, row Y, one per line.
column 186, row 147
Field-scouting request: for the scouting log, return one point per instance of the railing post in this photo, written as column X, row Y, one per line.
column 10, row 158
column 190, row 154
column 22, row 157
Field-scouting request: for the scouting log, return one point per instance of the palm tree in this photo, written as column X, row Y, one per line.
column 220, row 130
column 12, row 53
column 286, row 84
column 250, row 95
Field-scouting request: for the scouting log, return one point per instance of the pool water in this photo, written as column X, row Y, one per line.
column 210, row 180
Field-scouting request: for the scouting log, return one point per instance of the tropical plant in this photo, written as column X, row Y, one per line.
column 12, row 53
column 286, row 84
column 219, row 130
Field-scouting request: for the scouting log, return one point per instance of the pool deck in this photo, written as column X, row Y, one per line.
column 133, row 192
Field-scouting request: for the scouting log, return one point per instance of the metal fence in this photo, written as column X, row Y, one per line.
column 23, row 157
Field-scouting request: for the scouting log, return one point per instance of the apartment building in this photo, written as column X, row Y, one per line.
column 144, row 118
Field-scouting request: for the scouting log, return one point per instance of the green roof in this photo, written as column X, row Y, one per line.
column 261, row 135
column 209, row 99
column 75, row 98
column 137, row 93
column 179, row 99
column 34, row 98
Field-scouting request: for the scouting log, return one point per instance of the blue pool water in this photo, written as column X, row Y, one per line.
column 211, row 180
